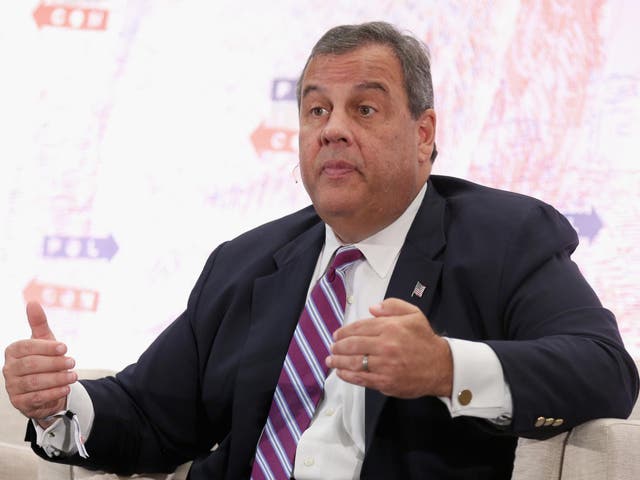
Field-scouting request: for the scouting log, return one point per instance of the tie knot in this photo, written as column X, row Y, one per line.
column 344, row 258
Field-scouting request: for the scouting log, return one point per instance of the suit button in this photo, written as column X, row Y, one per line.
column 558, row 422
column 549, row 421
column 464, row 397
column 539, row 422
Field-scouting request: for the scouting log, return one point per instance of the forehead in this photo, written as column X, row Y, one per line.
column 370, row 63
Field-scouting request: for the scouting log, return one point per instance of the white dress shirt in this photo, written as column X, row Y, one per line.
column 333, row 445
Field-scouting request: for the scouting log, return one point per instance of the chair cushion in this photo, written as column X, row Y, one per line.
column 604, row 449
column 539, row 460
column 17, row 462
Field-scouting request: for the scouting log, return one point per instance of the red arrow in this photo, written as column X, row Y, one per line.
column 273, row 139
column 32, row 292
column 66, row 16
column 58, row 296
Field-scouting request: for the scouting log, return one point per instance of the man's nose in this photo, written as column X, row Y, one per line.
column 337, row 129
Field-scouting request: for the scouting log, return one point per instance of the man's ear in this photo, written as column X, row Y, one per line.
column 426, row 135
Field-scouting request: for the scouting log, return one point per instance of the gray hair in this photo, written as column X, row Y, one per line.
column 412, row 54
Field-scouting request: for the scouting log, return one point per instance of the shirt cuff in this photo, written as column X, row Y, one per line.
column 58, row 439
column 479, row 387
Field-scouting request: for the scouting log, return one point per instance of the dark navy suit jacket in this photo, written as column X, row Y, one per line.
column 497, row 269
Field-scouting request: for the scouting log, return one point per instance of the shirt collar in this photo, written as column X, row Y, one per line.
column 381, row 248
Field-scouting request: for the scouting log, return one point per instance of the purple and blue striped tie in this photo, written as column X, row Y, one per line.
column 303, row 374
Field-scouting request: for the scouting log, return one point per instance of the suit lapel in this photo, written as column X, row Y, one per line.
column 416, row 264
column 277, row 301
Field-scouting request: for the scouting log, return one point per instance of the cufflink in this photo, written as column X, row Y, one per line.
column 464, row 397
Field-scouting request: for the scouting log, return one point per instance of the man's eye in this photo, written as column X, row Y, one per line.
column 318, row 111
column 366, row 110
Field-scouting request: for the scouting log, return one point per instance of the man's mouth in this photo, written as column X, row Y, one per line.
column 337, row 168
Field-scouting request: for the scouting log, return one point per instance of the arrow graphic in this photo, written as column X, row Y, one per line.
column 266, row 139
column 67, row 16
column 586, row 224
column 55, row 246
column 58, row 296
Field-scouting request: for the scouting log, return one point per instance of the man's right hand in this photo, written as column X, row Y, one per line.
column 37, row 372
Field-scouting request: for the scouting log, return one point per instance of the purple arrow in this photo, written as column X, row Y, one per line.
column 586, row 224
column 57, row 246
column 106, row 246
column 283, row 89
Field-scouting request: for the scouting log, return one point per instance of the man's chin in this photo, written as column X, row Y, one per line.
column 338, row 199
column 332, row 209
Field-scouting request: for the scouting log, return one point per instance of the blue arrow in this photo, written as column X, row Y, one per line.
column 586, row 224
column 58, row 246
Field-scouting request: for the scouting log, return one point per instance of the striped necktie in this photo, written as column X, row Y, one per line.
column 304, row 371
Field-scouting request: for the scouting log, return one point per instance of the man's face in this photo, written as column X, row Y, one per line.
column 363, row 158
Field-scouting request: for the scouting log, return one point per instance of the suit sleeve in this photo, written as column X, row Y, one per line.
column 148, row 418
column 563, row 357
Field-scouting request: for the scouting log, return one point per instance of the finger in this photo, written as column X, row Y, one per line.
column 40, row 382
column 392, row 307
column 369, row 327
column 25, row 348
column 356, row 345
column 39, row 364
column 352, row 363
column 43, row 403
column 364, row 379
column 38, row 322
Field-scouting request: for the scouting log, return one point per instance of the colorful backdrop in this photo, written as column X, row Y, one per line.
column 135, row 136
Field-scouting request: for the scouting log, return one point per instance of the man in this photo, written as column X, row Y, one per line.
column 466, row 323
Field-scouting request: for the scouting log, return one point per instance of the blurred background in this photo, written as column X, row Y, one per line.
column 135, row 136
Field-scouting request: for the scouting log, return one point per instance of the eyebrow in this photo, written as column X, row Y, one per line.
column 360, row 86
column 372, row 85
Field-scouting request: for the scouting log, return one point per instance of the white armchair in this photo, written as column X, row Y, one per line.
column 603, row 449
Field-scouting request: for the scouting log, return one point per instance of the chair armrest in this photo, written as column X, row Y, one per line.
column 17, row 462
column 539, row 459
column 603, row 449
column 87, row 475
column 84, row 474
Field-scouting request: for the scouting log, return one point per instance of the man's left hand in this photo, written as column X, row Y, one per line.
column 406, row 359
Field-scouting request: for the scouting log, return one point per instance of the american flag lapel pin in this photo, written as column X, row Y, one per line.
column 418, row 290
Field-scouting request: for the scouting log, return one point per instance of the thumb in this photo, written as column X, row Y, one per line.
column 38, row 322
column 392, row 307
